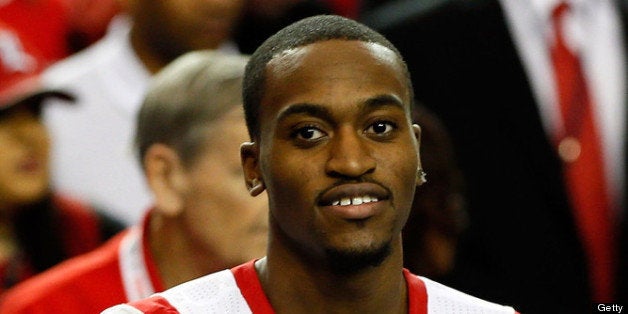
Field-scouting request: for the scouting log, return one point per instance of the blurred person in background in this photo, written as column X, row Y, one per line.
column 93, row 156
column 262, row 18
column 534, row 96
column 190, row 128
column 88, row 21
column 59, row 28
column 38, row 227
column 347, row 8
column 438, row 214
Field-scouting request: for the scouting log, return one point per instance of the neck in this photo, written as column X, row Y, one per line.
column 151, row 60
column 295, row 286
column 172, row 246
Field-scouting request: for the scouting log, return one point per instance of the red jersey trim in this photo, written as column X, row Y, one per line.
column 251, row 288
column 417, row 293
column 155, row 304
column 151, row 268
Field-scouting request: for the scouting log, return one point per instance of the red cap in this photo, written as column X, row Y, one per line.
column 20, row 69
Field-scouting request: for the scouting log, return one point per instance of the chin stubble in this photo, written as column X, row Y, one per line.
column 347, row 262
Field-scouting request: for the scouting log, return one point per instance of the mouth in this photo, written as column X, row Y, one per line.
column 29, row 165
column 354, row 200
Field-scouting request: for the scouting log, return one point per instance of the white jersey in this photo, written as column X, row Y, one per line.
column 239, row 290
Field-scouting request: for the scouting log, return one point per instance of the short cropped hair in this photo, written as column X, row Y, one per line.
column 186, row 97
column 304, row 32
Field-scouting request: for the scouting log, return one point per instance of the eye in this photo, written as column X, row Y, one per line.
column 308, row 133
column 381, row 128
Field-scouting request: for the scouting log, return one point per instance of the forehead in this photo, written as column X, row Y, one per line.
column 335, row 54
column 333, row 72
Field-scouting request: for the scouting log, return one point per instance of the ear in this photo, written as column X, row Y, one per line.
column 166, row 178
column 416, row 129
column 249, row 153
column 420, row 173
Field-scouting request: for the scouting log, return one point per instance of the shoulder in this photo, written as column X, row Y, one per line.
column 78, row 67
column 443, row 299
column 88, row 282
column 85, row 65
column 83, row 228
column 80, row 213
column 79, row 224
column 72, row 209
column 215, row 293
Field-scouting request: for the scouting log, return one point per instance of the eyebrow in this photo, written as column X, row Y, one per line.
column 323, row 113
column 309, row 109
column 382, row 100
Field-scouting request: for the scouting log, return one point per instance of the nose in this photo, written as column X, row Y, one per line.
column 349, row 155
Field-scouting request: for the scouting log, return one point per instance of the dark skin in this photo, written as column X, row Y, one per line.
column 335, row 129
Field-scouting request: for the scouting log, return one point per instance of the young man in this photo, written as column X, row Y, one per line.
column 189, row 132
column 327, row 102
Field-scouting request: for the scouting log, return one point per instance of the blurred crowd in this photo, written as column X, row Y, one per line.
column 102, row 133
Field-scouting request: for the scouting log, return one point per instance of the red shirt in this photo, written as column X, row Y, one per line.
column 119, row 271
column 79, row 230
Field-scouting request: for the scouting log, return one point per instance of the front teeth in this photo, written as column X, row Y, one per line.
column 355, row 200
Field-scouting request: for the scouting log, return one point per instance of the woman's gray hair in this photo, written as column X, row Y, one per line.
column 186, row 97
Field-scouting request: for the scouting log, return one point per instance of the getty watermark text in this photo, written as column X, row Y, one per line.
column 608, row 308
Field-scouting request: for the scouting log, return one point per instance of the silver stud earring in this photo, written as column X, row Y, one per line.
column 256, row 187
column 421, row 176
column 254, row 183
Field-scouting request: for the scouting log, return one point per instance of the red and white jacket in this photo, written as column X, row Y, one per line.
column 122, row 270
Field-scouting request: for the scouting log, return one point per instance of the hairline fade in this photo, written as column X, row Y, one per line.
column 304, row 32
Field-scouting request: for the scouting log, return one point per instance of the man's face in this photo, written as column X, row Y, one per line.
column 222, row 216
column 338, row 154
column 175, row 27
